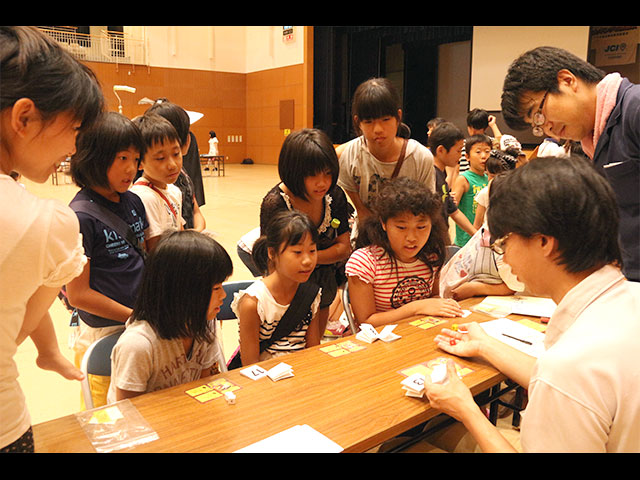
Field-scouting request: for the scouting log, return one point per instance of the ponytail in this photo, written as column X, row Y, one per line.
column 260, row 255
column 287, row 227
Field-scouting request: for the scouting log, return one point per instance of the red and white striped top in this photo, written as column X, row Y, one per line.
column 392, row 286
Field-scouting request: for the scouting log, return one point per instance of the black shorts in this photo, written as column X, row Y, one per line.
column 22, row 445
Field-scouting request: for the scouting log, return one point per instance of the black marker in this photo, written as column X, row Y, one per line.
column 519, row 339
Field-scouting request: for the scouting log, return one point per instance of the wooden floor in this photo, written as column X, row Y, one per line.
column 232, row 204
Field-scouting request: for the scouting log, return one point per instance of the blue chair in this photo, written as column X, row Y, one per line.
column 97, row 361
column 230, row 288
column 225, row 312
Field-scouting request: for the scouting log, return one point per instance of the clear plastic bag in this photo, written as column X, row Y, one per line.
column 115, row 427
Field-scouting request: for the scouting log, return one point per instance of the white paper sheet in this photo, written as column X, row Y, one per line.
column 297, row 439
column 516, row 304
column 503, row 329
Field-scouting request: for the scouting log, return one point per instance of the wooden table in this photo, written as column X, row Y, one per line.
column 210, row 162
column 356, row 400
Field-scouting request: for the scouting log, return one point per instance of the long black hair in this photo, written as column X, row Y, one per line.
column 176, row 287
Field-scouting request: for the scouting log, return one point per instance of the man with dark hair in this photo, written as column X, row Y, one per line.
column 565, row 97
column 561, row 240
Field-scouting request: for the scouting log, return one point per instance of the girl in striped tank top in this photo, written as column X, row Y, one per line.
column 287, row 254
column 393, row 274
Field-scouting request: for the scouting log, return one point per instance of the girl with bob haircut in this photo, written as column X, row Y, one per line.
column 382, row 149
column 172, row 335
column 104, row 167
column 393, row 274
column 46, row 98
column 308, row 168
column 286, row 252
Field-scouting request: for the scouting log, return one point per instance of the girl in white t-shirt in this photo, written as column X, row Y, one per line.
column 383, row 149
column 47, row 98
column 172, row 335
column 287, row 251
column 393, row 274
column 213, row 144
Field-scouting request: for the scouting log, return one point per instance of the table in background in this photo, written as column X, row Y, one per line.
column 356, row 400
column 209, row 162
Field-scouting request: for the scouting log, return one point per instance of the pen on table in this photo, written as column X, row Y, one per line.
column 519, row 339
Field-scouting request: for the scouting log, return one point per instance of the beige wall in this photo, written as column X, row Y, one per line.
column 235, row 76
column 237, row 49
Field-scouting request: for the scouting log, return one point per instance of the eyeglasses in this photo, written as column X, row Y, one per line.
column 539, row 119
column 498, row 245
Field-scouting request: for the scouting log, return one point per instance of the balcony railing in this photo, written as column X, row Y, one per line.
column 109, row 47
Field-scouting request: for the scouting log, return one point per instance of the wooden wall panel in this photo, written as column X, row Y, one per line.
column 234, row 105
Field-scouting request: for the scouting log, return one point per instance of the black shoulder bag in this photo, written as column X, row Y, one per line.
column 296, row 314
column 110, row 219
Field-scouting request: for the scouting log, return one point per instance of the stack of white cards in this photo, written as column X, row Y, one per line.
column 414, row 384
column 369, row 334
column 280, row 371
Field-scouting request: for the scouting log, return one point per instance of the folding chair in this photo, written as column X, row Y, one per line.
column 347, row 309
column 97, row 361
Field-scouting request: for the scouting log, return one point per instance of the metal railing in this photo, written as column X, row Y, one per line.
column 109, row 47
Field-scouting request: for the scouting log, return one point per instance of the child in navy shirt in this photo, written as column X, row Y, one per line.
column 104, row 166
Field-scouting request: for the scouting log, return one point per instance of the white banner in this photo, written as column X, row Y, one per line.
column 615, row 47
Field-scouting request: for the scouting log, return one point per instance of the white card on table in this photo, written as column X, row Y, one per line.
column 254, row 372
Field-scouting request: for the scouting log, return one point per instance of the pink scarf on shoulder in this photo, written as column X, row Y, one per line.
column 607, row 92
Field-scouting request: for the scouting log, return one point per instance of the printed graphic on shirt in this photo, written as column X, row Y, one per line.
column 476, row 189
column 409, row 289
column 184, row 369
column 445, row 193
column 118, row 246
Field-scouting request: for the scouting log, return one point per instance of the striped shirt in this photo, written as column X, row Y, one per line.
column 270, row 313
column 392, row 287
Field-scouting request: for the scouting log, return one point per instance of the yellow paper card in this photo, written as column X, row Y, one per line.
column 107, row 415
